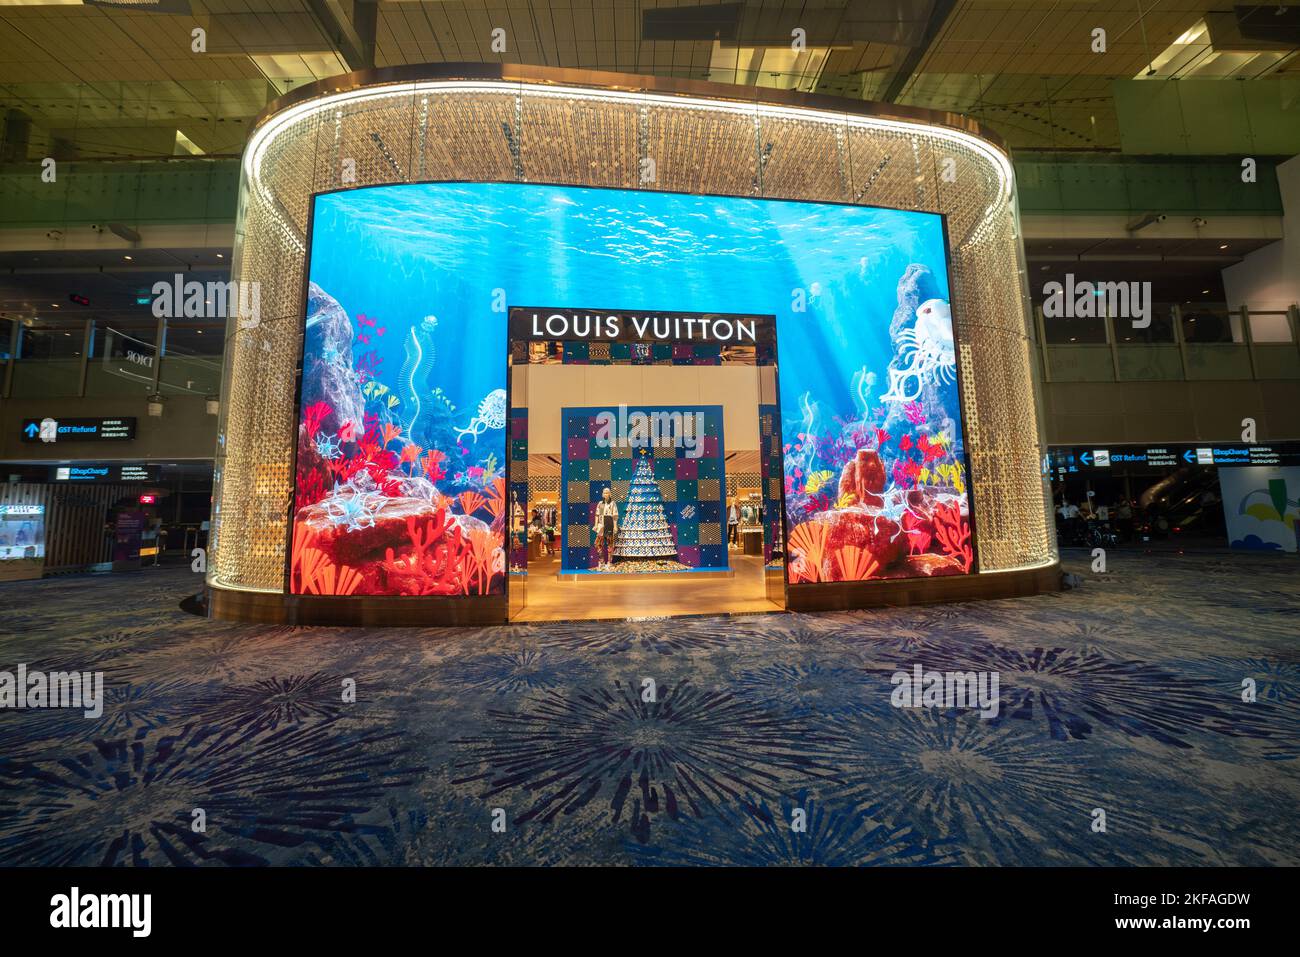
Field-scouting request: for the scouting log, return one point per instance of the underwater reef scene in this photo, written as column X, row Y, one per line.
column 881, row 492
column 403, row 408
column 386, row 501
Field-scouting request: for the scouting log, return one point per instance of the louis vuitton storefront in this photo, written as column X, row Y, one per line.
column 469, row 273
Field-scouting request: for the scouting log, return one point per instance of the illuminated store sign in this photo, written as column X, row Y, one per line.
column 547, row 322
column 22, row 510
column 50, row 429
column 104, row 472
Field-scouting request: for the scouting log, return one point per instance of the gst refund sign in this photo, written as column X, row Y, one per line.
column 615, row 325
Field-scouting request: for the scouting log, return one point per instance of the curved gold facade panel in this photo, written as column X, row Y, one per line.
column 518, row 124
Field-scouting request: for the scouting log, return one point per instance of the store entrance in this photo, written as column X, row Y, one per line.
column 645, row 480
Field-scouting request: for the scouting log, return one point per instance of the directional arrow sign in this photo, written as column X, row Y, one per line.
column 1085, row 458
column 1189, row 457
column 31, row 430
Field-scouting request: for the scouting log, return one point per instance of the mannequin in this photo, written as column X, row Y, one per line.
column 606, row 528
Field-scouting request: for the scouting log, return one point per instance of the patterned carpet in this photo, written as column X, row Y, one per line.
column 1123, row 695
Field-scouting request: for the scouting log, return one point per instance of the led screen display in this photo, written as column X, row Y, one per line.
column 400, row 482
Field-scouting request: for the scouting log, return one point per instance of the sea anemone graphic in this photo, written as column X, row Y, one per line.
column 689, row 750
column 753, row 834
column 327, row 446
column 266, row 795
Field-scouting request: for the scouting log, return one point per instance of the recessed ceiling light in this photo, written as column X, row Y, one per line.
column 1205, row 292
column 220, row 256
column 1224, row 246
column 127, row 258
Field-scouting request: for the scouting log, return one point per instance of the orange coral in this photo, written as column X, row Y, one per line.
column 496, row 500
column 477, row 560
column 856, row 563
column 809, row 540
column 312, row 573
column 470, row 502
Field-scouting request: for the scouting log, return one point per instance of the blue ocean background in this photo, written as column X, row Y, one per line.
column 404, row 252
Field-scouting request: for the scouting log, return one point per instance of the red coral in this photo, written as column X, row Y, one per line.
column 436, row 563
column 314, row 415
column 919, row 533
column 953, row 532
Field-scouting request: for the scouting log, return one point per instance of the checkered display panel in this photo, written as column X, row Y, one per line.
column 519, row 487
column 691, row 488
column 769, row 457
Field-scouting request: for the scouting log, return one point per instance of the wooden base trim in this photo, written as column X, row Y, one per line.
column 841, row 596
column 279, row 609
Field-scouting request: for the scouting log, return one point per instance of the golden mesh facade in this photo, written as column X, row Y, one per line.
column 531, row 129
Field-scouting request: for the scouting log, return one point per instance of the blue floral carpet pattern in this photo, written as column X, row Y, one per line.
column 1122, row 697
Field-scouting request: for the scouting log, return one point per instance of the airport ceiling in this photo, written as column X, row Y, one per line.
column 119, row 78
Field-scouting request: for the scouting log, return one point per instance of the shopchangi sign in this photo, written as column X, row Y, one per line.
column 49, row 429
column 83, row 472
column 1066, row 460
column 565, row 323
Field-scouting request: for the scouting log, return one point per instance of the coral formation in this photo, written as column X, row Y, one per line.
column 370, row 516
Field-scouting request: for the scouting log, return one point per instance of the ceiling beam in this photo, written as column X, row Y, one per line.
column 938, row 14
column 353, row 39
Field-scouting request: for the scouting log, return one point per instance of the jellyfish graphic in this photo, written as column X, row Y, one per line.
column 491, row 415
column 925, row 353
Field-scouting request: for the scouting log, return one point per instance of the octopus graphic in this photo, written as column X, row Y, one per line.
column 491, row 415
column 925, row 353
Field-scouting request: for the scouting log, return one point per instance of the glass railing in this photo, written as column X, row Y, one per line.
column 1199, row 342
column 190, row 375
column 39, row 378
